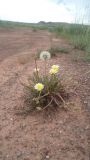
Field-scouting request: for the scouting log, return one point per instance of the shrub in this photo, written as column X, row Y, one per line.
column 78, row 34
column 79, row 42
column 55, row 50
column 44, row 91
column 34, row 29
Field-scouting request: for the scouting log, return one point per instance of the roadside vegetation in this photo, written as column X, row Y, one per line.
column 79, row 35
column 45, row 90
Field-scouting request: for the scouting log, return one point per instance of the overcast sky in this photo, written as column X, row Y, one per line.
column 45, row 10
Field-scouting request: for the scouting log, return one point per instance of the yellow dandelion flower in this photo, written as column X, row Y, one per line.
column 53, row 71
column 56, row 67
column 39, row 86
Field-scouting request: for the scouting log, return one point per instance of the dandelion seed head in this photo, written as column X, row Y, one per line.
column 44, row 55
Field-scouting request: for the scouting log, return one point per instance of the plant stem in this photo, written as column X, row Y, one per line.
column 45, row 67
column 48, row 104
column 44, row 95
column 37, row 75
column 36, row 64
column 56, row 101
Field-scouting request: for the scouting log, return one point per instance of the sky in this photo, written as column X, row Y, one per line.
column 45, row 10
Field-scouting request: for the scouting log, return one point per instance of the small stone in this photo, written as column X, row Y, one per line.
column 85, row 102
column 7, row 156
column 60, row 131
column 39, row 108
column 87, row 127
column 47, row 157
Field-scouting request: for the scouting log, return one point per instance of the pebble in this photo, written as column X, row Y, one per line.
column 47, row 157
column 85, row 102
column 7, row 155
column 87, row 127
column 60, row 131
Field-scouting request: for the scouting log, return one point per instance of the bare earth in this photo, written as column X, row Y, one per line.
column 57, row 135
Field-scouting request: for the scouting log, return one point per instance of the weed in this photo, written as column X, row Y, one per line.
column 44, row 91
column 78, row 35
column 34, row 29
column 79, row 42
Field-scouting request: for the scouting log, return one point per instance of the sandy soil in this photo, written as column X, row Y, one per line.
column 57, row 135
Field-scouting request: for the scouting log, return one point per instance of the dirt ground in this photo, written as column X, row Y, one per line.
column 57, row 135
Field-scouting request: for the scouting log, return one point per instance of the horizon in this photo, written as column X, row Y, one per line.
column 28, row 11
column 21, row 22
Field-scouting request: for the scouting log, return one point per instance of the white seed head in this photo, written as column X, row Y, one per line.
column 44, row 55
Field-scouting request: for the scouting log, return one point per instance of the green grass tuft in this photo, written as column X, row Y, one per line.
column 55, row 50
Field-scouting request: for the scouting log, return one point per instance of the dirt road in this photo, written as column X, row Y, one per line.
column 59, row 135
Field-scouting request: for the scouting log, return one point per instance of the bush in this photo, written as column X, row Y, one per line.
column 78, row 34
column 44, row 91
column 79, row 42
column 55, row 50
